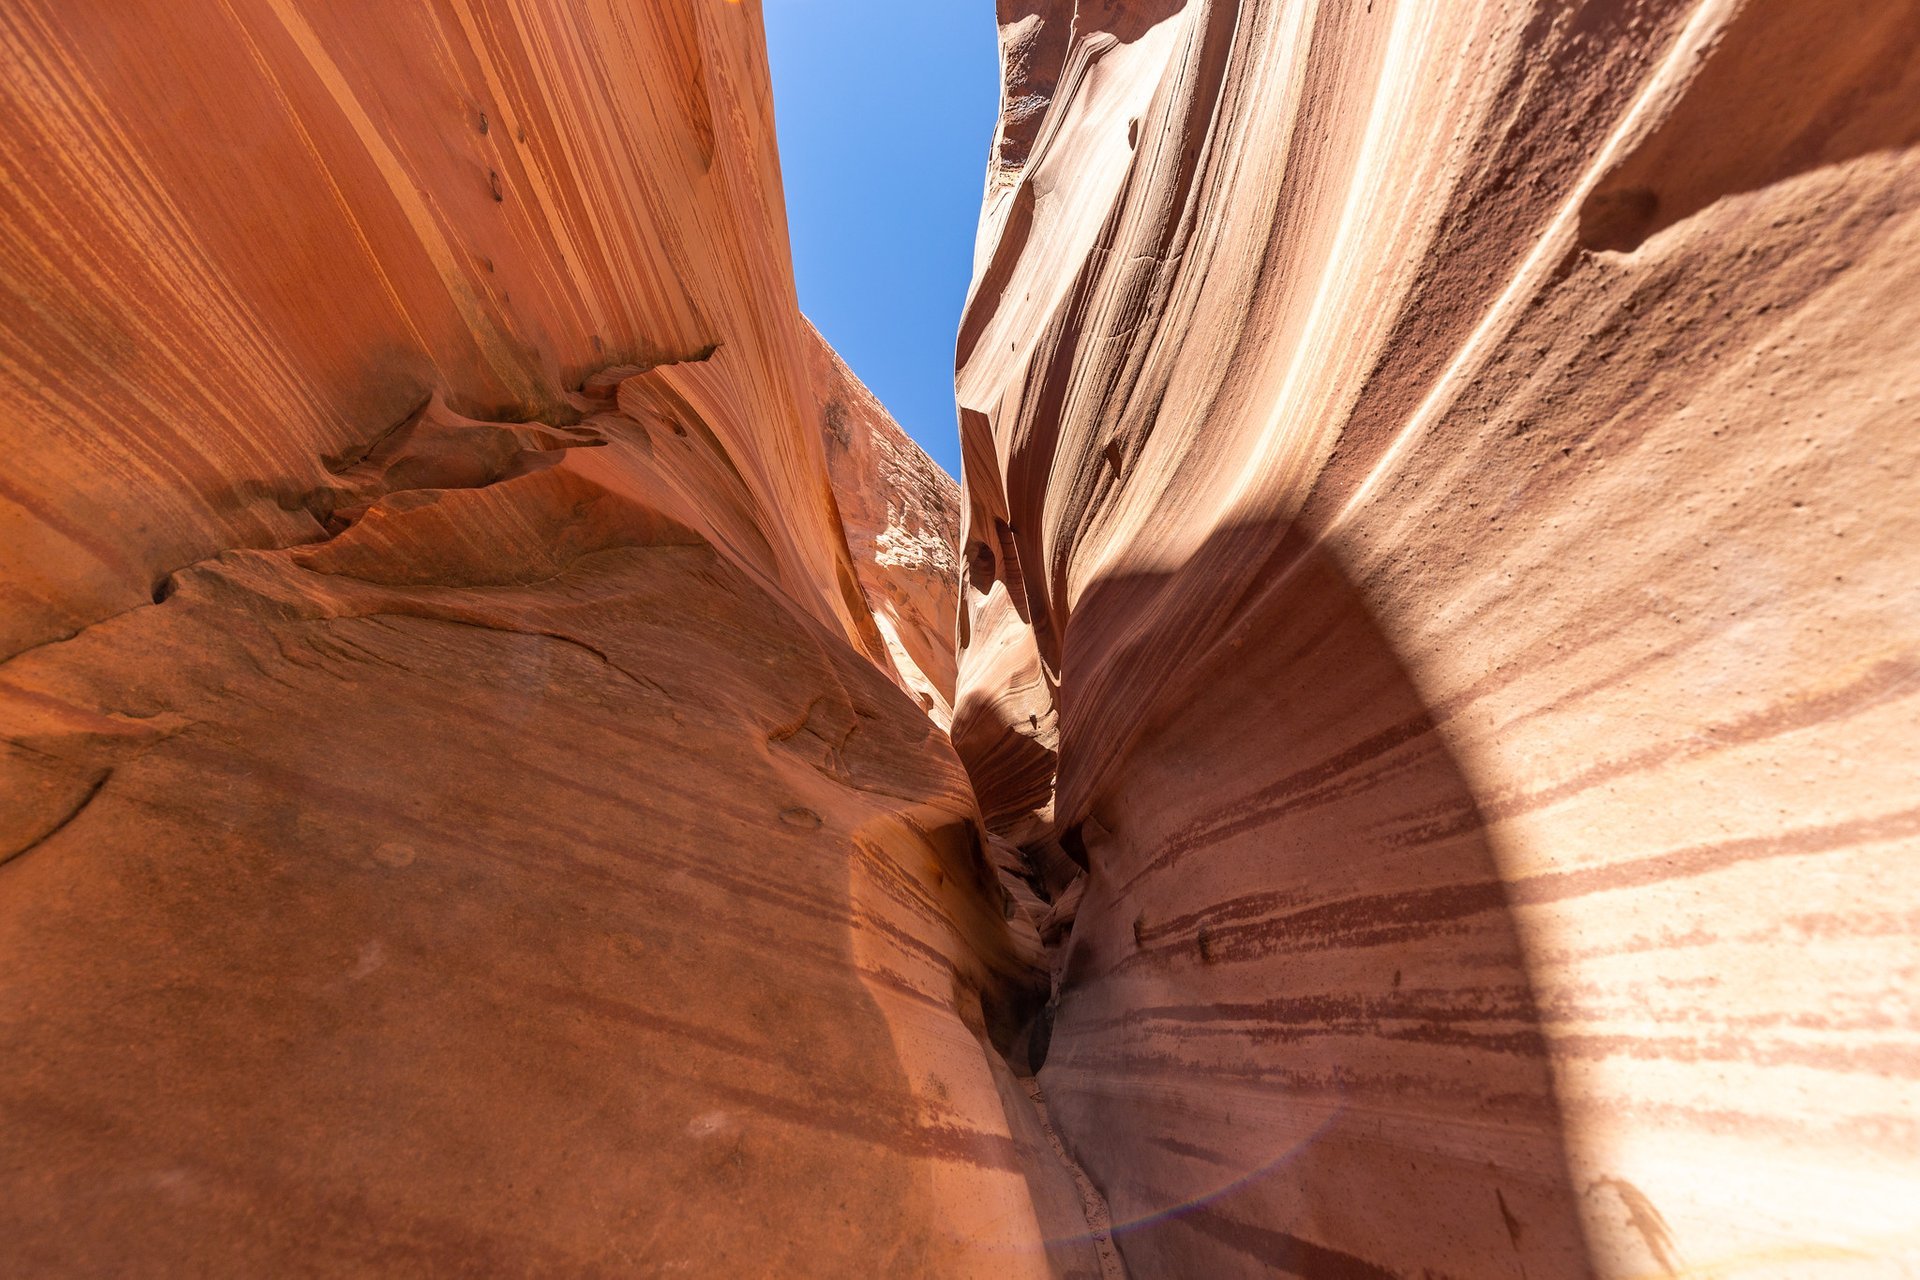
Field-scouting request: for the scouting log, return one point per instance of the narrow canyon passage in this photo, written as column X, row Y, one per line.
column 1396, row 758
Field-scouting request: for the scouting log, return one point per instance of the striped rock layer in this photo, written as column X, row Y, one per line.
column 1441, row 547
column 464, row 809
column 1435, row 702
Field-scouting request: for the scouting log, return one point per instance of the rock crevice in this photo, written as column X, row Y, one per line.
column 1396, row 763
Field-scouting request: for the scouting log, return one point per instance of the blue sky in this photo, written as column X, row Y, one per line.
column 885, row 111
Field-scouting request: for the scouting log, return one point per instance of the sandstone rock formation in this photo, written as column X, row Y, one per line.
column 1442, row 539
column 458, row 811
column 901, row 514
column 1432, row 729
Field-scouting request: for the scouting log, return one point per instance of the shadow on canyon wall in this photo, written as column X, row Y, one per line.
column 1789, row 87
column 1296, row 1030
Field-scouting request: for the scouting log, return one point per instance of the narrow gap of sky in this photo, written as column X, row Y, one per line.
column 885, row 111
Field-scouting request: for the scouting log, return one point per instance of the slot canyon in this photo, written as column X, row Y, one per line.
column 1398, row 760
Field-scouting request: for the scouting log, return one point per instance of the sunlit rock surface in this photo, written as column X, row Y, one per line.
column 901, row 514
column 460, row 813
column 1441, row 549
column 1439, row 555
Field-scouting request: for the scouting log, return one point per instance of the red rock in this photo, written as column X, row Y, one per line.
column 901, row 514
column 1440, row 529
column 457, row 815
column 1432, row 726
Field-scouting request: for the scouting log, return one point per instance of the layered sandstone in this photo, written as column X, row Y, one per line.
column 1434, row 706
column 463, row 808
column 1441, row 545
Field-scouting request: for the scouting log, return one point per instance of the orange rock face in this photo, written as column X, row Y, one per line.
column 1432, row 730
column 460, row 812
column 901, row 514
column 1440, row 551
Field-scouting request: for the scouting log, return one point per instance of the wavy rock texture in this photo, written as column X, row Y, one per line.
column 458, row 811
column 1441, row 534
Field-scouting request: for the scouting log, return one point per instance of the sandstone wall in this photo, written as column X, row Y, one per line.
column 457, row 815
column 1441, row 531
column 901, row 514
column 1437, row 652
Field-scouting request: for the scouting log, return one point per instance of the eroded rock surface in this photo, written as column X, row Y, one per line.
column 901, row 514
column 459, row 813
column 1433, row 741
column 1441, row 554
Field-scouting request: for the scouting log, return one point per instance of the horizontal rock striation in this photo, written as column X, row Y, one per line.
column 1440, row 526
column 1429, row 788
column 463, row 807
